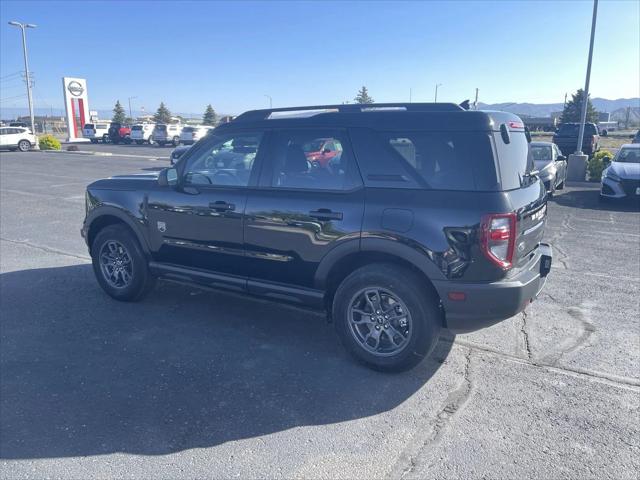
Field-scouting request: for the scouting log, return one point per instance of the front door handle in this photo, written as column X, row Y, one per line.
column 325, row 214
column 222, row 206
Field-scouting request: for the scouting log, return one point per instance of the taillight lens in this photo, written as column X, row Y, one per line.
column 498, row 238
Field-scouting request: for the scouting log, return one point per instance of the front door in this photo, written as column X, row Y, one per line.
column 199, row 223
column 302, row 208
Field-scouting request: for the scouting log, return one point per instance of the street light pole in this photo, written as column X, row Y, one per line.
column 270, row 100
column 27, row 76
column 585, row 99
column 130, row 115
column 435, row 99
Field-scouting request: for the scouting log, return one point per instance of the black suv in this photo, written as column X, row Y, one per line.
column 424, row 216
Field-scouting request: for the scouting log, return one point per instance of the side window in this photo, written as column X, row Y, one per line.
column 223, row 160
column 447, row 160
column 3, row 131
column 312, row 159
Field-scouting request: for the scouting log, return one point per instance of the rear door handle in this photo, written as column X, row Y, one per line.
column 222, row 206
column 325, row 214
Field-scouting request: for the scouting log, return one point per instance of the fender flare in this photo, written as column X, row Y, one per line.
column 396, row 246
column 136, row 224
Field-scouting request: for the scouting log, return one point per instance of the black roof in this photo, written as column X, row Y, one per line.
column 389, row 116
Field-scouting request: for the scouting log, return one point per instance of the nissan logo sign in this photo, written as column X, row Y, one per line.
column 75, row 88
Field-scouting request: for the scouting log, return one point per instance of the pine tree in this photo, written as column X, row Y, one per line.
column 209, row 117
column 163, row 115
column 119, row 116
column 573, row 109
column 363, row 96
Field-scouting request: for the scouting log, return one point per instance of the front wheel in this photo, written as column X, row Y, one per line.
column 24, row 145
column 386, row 317
column 120, row 265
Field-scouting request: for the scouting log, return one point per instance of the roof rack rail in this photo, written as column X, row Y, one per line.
column 256, row 115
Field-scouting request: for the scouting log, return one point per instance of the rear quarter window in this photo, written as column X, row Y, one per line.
column 514, row 159
column 434, row 160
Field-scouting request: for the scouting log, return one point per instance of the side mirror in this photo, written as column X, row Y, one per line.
column 561, row 157
column 606, row 161
column 168, row 177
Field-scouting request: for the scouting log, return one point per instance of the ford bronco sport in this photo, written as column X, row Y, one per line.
column 428, row 217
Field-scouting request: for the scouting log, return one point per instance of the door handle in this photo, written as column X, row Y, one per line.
column 222, row 206
column 325, row 214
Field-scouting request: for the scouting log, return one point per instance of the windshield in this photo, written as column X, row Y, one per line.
column 541, row 154
column 628, row 155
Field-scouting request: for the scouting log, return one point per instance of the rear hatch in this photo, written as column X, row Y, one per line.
column 137, row 132
column 188, row 133
column 525, row 193
column 88, row 130
column 160, row 132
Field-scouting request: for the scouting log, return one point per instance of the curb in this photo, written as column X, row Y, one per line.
column 105, row 154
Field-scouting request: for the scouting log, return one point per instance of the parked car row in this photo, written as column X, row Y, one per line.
column 141, row 133
column 16, row 138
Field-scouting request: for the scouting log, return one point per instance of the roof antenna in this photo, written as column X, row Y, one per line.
column 465, row 105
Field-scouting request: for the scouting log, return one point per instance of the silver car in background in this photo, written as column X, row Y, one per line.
column 621, row 177
column 551, row 165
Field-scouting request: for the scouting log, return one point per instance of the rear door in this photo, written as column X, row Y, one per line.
column 301, row 210
column 526, row 194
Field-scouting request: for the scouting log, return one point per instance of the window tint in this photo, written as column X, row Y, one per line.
column 223, row 160
column 89, row 126
column 312, row 159
column 514, row 159
column 541, row 152
column 447, row 160
column 136, row 127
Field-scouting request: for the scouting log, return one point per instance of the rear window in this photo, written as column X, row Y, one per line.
column 514, row 159
column 102, row 126
column 136, row 127
column 189, row 129
column 88, row 126
column 573, row 129
column 447, row 160
column 161, row 128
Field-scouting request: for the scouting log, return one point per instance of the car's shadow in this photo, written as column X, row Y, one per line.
column 589, row 199
column 82, row 374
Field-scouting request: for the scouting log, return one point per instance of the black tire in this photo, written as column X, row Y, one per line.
column 94, row 140
column 105, row 138
column 175, row 141
column 24, row 145
column 161, row 144
column 561, row 185
column 141, row 280
column 151, row 142
column 139, row 142
column 422, row 305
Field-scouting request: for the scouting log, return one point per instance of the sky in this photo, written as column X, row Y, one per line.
column 234, row 54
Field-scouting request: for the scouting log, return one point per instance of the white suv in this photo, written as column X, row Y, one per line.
column 96, row 132
column 163, row 134
column 17, row 138
column 190, row 135
column 142, row 133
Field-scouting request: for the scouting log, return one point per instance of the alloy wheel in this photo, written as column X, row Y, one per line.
column 116, row 264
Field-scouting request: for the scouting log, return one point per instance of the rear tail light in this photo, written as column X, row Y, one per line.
column 498, row 238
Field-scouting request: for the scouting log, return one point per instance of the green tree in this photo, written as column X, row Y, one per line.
column 163, row 115
column 363, row 96
column 573, row 109
column 209, row 117
column 119, row 115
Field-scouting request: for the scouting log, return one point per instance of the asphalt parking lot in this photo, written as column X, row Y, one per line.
column 191, row 384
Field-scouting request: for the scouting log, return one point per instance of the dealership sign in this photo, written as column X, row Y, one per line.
column 76, row 105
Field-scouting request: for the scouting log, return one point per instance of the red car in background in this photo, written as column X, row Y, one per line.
column 322, row 150
column 119, row 133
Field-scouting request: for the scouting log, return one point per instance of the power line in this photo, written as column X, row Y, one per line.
column 10, row 98
column 20, row 72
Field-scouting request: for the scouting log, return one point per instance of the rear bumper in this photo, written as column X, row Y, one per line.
column 488, row 303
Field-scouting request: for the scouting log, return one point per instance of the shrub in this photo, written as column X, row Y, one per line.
column 596, row 166
column 49, row 142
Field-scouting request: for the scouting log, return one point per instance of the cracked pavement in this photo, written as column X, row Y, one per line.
column 193, row 384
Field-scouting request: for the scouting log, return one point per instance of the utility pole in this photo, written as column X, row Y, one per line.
column 130, row 115
column 409, row 94
column 577, row 167
column 435, row 98
column 475, row 102
column 270, row 100
column 22, row 26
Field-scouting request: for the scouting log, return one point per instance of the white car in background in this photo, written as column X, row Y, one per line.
column 16, row 138
column 96, row 131
column 192, row 134
column 621, row 177
column 167, row 133
column 142, row 133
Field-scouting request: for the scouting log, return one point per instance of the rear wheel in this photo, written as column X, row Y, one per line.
column 24, row 145
column 94, row 140
column 176, row 141
column 119, row 264
column 386, row 317
column 105, row 138
column 150, row 141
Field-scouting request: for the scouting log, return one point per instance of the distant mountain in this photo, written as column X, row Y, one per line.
column 545, row 109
